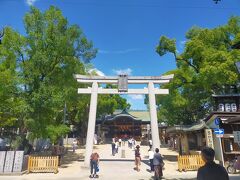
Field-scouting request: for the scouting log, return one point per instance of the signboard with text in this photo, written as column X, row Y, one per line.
column 123, row 83
column 9, row 162
column 209, row 138
column 18, row 161
column 236, row 135
column 12, row 161
column 2, row 160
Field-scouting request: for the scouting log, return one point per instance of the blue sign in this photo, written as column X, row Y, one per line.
column 217, row 121
column 218, row 131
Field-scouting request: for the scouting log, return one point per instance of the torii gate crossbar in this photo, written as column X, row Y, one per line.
column 95, row 90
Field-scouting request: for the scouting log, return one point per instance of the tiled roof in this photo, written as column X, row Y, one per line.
column 187, row 128
column 137, row 114
column 143, row 115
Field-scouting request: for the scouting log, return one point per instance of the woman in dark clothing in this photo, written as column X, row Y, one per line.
column 158, row 164
column 94, row 162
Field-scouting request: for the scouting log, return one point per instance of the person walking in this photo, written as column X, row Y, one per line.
column 211, row 170
column 130, row 143
column 116, row 147
column 113, row 148
column 133, row 143
column 150, row 156
column 237, row 163
column 137, row 158
column 120, row 142
column 158, row 164
column 94, row 164
column 74, row 145
column 150, row 144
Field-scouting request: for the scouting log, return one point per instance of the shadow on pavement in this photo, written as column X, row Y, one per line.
column 152, row 178
column 164, row 146
column 123, row 160
column 146, row 162
column 172, row 158
column 95, row 147
column 110, row 160
column 69, row 158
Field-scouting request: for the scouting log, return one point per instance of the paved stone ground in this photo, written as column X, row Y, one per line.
column 112, row 167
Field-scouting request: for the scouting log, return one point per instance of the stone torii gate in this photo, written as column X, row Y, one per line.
column 122, row 81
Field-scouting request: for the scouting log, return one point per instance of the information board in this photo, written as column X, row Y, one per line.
column 2, row 159
column 236, row 135
column 18, row 161
column 122, row 83
column 9, row 162
column 209, row 138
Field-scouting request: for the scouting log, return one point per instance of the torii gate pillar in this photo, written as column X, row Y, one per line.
column 153, row 115
column 91, row 123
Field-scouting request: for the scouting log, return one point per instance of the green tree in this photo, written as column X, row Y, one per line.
column 36, row 76
column 12, row 104
column 205, row 66
column 108, row 103
column 55, row 51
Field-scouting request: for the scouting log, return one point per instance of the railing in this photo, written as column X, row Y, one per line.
column 190, row 162
column 43, row 164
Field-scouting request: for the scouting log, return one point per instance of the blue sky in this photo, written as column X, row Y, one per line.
column 126, row 32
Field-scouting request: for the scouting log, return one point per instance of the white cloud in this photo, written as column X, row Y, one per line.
column 127, row 71
column 135, row 103
column 136, row 97
column 183, row 42
column 30, row 2
column 96, row 71
column 180, row 46
column 125, row 51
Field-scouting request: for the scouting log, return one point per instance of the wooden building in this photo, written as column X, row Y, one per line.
column 227, row 111
column 225, row 115
column 123, row 124
column 187, row 139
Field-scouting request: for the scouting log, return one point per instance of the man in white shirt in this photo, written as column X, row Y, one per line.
column 150, row 144
column 116, row 147
column 150, row 157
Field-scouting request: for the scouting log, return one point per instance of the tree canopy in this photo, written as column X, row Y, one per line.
column 108, row 103
column 205, row 67
column 36, row 76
